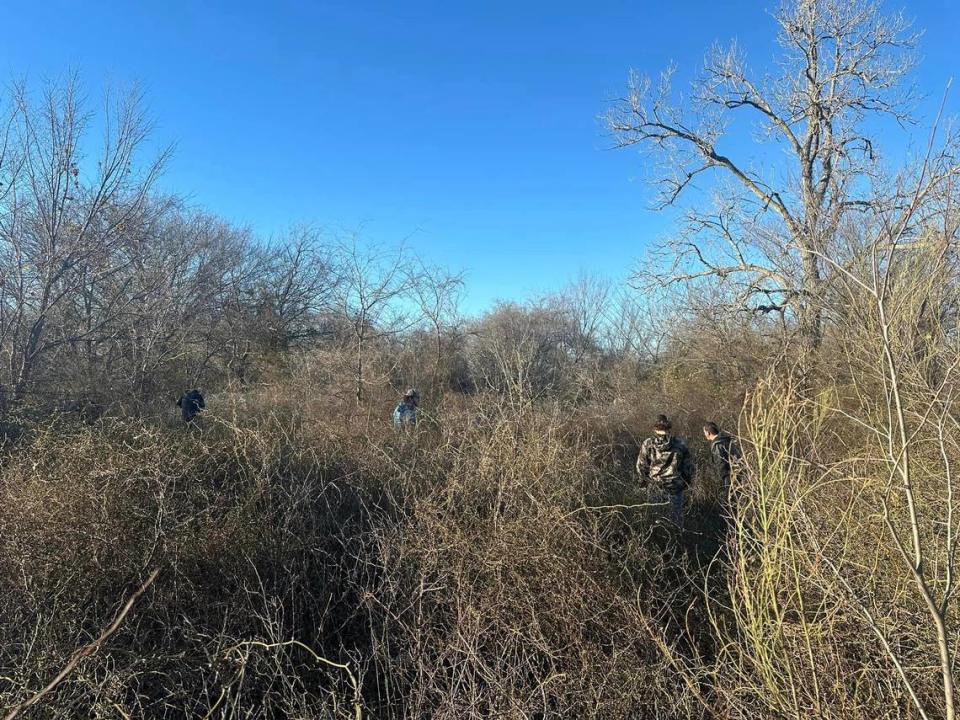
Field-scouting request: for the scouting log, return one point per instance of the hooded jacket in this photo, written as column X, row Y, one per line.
column 665, row 460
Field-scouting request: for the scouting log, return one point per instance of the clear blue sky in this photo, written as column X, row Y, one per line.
column 471, row 128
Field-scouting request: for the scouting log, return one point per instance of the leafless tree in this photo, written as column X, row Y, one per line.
column 520, row 350
column 298, row 288
column 843, row 63
column 587, row 304
column 192, row 276
column 438, row 293
column 906, row 297
column 181, row 299
column 374, row 296
column 632, row 331
column 62, row 220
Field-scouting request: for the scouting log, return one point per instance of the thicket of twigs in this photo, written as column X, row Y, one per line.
column 314, row 563
column 295, row 556
column 500, row 561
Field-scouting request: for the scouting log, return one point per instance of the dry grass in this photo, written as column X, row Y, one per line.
column 454, row 572
column 498, row 562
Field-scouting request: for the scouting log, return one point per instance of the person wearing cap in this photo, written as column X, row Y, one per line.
column 405, row 414
column 665, row 461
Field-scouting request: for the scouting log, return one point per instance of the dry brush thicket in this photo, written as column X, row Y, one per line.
column 500, row 561
column 295, row 556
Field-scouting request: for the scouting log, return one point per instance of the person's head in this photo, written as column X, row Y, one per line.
column 710, row 430
column 411, row 396
column 662, row 426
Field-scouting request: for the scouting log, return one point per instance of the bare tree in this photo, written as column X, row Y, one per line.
column 521, row 350
column 438, row 293
column 374, row 296
column 181, row 299
column 843, row 63
column 298, row 288
column 190, row 279
column 60, row 224
column 907, row 296
column 586, row 303
column 632, row 331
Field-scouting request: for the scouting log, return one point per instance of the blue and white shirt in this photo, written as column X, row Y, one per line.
column 405, row 414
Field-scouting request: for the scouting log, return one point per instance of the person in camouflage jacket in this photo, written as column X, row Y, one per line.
column 665, row 461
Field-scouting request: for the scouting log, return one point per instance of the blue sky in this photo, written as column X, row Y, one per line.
column 469, row 129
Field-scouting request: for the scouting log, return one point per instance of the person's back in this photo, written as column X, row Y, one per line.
column 665, row 460
column 405, row 414
column 191, row 403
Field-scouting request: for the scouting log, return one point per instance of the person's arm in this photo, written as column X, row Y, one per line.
column 202, row 404
column 734, row 454
column 643, row 464
column 720, row 461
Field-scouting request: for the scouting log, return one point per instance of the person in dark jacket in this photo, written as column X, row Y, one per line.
column 191, row 403
column 665, row 461
column 726, row 455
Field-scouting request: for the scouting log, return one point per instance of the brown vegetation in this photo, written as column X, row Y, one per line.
column 294, row 556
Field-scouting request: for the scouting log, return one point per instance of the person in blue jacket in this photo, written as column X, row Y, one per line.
column 405, row 414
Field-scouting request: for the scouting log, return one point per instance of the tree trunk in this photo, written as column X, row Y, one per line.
column 359, row 369
column 810, row 315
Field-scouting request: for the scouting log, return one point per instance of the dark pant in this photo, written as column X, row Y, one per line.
column 676, row 507
column 675, row 501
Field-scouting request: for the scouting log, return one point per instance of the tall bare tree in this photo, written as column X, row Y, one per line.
column 634, row 331
column 586, row 304
column 63, row 214
column 522, row 351
column 298, row 287
column 843, row 63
